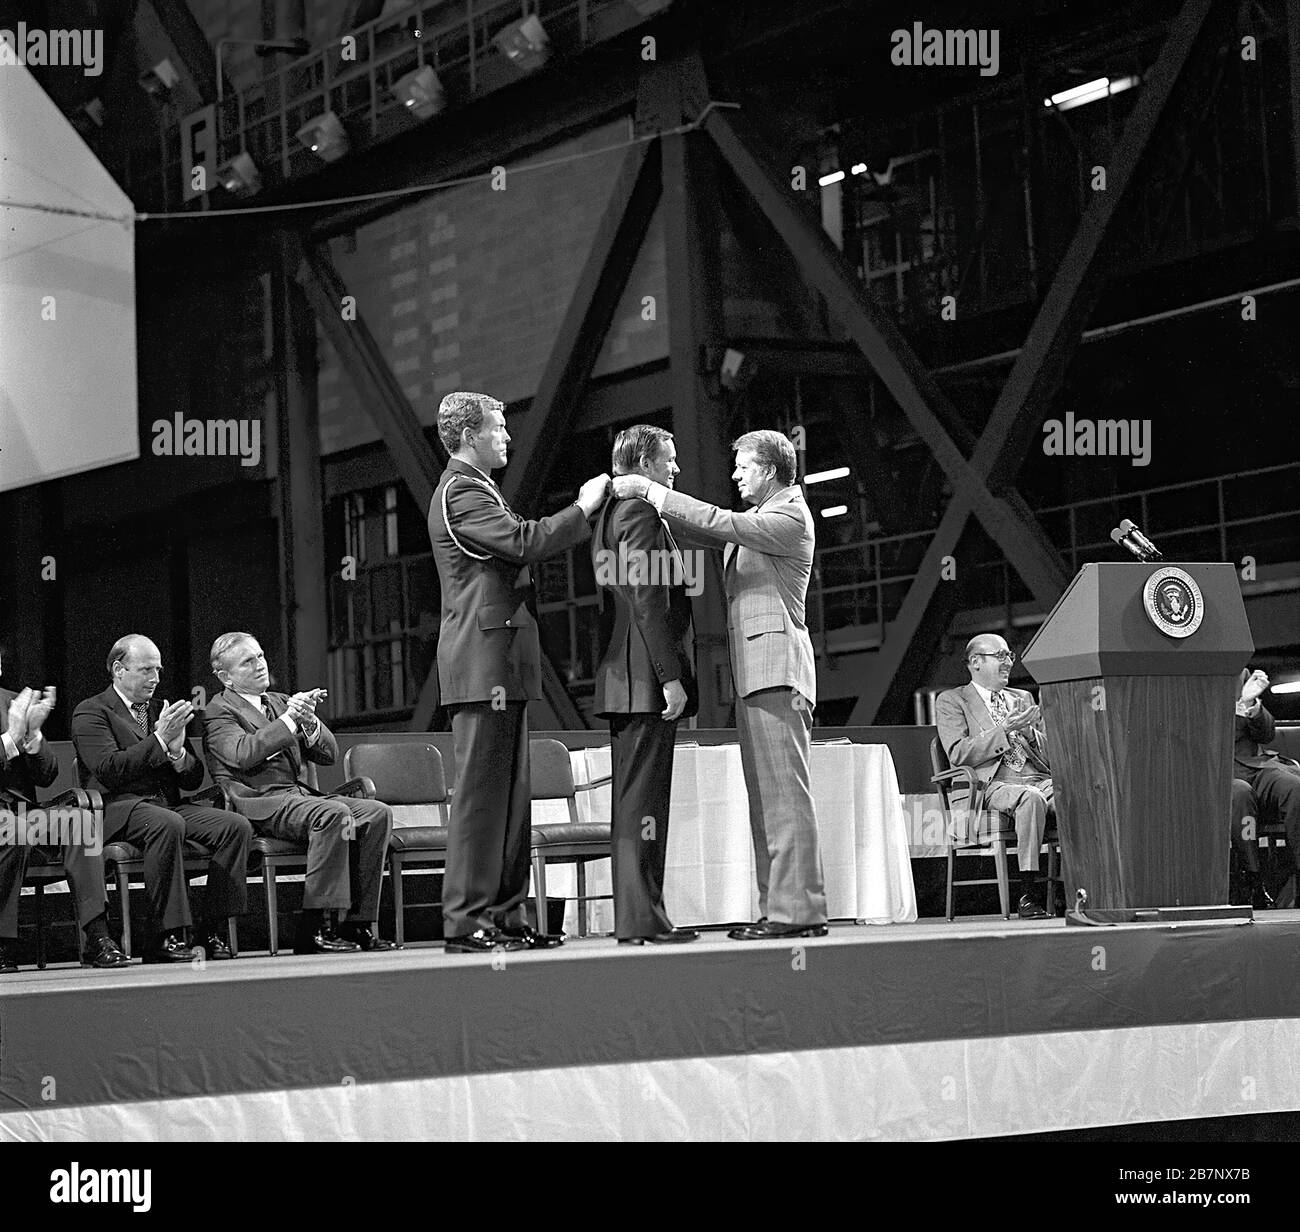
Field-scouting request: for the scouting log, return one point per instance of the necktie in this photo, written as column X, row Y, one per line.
column 141, row 712
column 1019, row 751
column 266, row 709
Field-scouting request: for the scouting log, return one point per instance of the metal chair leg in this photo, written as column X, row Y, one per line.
column 124, row 902
column 1004, row 887
column 272, row 919
column 539, row 885
column 582, row 898
column 39, row 889
column 952, row 871
column 232, row 932
column 399, row 905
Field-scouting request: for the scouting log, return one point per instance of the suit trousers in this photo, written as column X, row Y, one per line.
column 160, row 830
column 775, row 731
column 347, row 843
column 1277, row 796
column 1029, row 797
column 486, row 879
column 641, row 753
column 85, row 878
column 1243, row 808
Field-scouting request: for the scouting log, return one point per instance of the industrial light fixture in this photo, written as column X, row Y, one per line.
column 240, row 175
column 93, row 110
column 1288, row 686
column 524, row 43
column 822, row 476
column 1090, row 91
column 421, row 92
column 835, row 511
column 736, row 370
column 833, row 177
column 158, row 81
column 325, row 136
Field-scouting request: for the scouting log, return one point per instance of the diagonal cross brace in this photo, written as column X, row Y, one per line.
column 1019, row 411
column 918, row 394
column 418, row 463
column 541, row 433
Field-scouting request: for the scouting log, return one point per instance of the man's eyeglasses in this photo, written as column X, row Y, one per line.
column 1002, row 656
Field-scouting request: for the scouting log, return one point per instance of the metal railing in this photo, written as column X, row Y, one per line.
column 1243, row 524
column 455, row 39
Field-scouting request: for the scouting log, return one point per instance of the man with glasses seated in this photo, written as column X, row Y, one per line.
column 998, row 732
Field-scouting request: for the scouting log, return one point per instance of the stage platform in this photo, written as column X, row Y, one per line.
column 925, row 1031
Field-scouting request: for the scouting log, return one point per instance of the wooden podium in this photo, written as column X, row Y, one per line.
column 1139, row 667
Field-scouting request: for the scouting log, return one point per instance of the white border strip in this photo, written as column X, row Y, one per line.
column 949, row 1089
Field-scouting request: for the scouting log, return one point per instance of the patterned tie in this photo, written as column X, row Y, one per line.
column 266, row 709
column 1015, row 757
column 141, row 712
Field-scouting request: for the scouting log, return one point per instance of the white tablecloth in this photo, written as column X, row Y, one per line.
column 709, row 874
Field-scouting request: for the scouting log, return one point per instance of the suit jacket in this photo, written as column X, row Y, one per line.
column 767, row 560
column 970, row 737
column 123, row 766
column 483, row 550
column 20, row 776
column 1250, row 736
column 259, row 760
column 651, row 619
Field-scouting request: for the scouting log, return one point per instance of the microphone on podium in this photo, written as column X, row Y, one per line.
column 1127, row 534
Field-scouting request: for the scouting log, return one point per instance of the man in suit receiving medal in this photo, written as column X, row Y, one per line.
column 489, row 667
column 644, row 684
column 258, row 744
column 998, row 731
column 768, row 553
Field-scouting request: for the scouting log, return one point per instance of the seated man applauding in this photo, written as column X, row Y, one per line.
column 998, row 732
column 1274, row 779
column 258, row 744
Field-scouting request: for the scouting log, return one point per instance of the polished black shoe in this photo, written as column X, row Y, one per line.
column 171, row 948
column 214, row 946
column 366, row 938
column 770, row 930
column 484, row 941
column 531, row 938
column 324, row 941
column 7, row 964
column 674, row 936
column 103, row 952
column 1030, row 910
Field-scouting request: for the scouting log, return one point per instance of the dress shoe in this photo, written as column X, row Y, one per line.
column 483, row 941
column 171, row 948
column 674, row 936
column 7, row 964
column 366, row 938
column 531, row 937
column 1030, row 910
column 214, row 946
column 770, row 930
column 324, row 941
column 103, row 952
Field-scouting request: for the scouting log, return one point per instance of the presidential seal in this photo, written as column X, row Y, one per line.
column 1173, row 602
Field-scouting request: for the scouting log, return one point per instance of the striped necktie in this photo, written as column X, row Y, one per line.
column 141, row 712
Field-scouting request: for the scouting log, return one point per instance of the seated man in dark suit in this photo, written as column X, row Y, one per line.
column 258, row 744
column 26, row 763
column 131, row 749
column 1274, row 780
column 998, row 732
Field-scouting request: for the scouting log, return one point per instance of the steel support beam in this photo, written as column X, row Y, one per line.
column 191, row 43
column 304, row 601
column 691, row 218
column 881, row 341
column 1018, row 414
column 418, row 462
column 541, row 434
